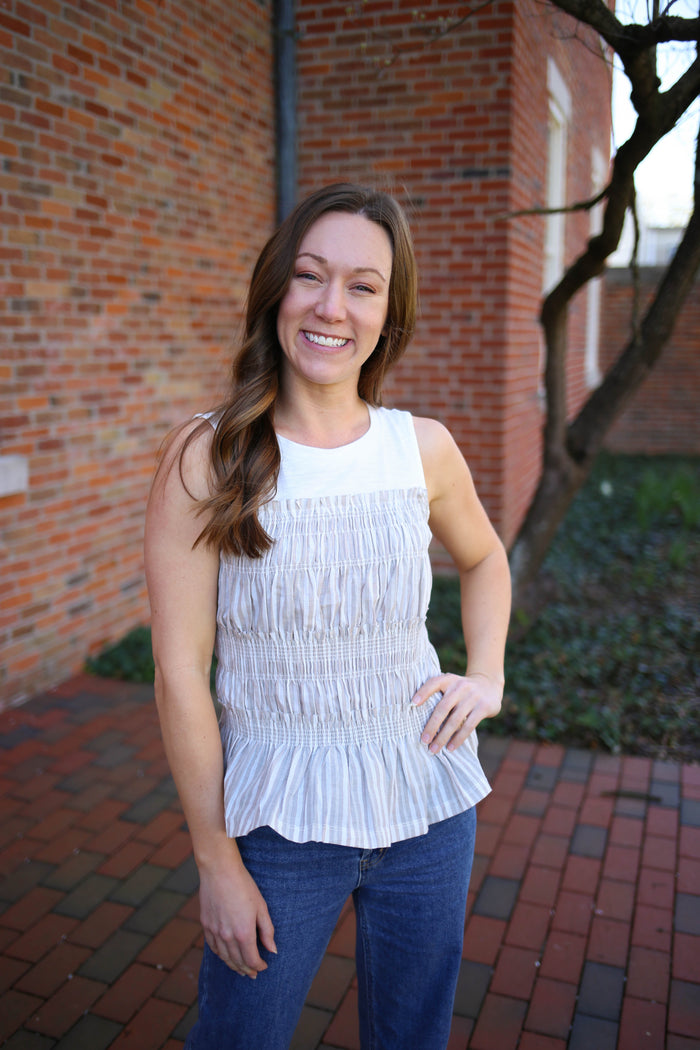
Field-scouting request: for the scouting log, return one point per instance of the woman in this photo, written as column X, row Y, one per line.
column 290, row 530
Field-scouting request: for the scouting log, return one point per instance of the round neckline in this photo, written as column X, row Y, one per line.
column 334, row 448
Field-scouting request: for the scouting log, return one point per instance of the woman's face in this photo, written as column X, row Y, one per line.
column 335, row 308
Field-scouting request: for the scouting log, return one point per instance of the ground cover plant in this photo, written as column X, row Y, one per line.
column 612, row 658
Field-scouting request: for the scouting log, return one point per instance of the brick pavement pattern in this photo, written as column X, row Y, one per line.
column 582, row 931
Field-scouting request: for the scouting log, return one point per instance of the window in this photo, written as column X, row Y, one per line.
column 557, row 127
column 592, row 369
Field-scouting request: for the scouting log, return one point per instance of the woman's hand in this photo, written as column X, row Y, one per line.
column 234, row 915
column 464, row 703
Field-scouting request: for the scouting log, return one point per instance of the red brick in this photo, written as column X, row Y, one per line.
column 615, row 900
column 509, row 861
column 564, row 956
column 61, row 848
column 515, row 972
column 652, row 928
column 662, row 822
column 621, row 862
column 596, row 811
column 568, row 794
column 530, row 1041
column 540, row 885
column 499, row 1024
column 642, row 1024
column 46, row 934
column 656, row 854
column 689, row 843
column 51, row 972
column 10, row 972
column 487, row 838
column 656, row 888
column 573, row 912
column 528, row 925
column 101, row 924
column 551, row 1007
column 648, row 975
column 686, row 957
column 180, row 984
column 59, row 1013
column 483, row 939
column 609, row 941
column 343, row 940
column 522, row 830
column 688, row 875
column 16, row 1008
column 129, row 993
column 104, row 814
column 112, row 837
column 126, row 860
column 170, row 944
column 175, row 851
column 460, row 1032
column 550, row 851
column 30, row 908
column 626, row 831
column 344, row 1029
column 581, row 874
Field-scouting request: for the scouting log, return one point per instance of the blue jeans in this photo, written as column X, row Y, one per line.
column 410, row 900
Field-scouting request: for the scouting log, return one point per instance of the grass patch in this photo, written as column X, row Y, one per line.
column 613, row 659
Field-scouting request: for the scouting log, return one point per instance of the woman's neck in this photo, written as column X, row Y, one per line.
column 324, row 422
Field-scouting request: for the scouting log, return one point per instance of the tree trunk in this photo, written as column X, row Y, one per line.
column 566, row 464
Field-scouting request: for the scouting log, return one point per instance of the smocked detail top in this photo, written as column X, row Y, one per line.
column 321, row 644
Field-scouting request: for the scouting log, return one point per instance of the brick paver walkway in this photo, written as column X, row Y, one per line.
column 583, row 929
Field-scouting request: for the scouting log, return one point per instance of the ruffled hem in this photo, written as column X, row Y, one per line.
column 365, row 794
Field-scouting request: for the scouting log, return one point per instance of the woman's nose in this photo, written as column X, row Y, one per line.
column 331, row 302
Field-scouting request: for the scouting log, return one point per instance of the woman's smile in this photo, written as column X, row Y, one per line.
column 331, row 341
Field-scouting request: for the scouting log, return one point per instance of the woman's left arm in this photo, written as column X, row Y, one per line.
column 459, row 522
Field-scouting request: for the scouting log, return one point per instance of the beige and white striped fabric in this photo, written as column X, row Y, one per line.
column 322, row 643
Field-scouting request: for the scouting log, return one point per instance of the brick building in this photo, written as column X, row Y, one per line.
column 663, row 416
column 136, row 188
column 137, row 185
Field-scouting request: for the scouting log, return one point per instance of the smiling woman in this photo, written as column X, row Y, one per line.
column 290, row 529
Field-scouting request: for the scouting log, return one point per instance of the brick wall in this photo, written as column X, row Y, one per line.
column 136, row 188
column 452, row 118
column 663, row 415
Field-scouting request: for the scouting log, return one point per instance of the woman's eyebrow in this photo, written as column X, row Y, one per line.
column 356, row 269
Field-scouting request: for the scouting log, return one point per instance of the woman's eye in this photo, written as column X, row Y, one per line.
column 305, row 276
column 364, row 288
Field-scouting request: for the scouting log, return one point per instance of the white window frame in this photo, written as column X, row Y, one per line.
column 559, row 118
column 599, row 171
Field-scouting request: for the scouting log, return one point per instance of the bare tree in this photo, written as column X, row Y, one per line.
column 570, row 447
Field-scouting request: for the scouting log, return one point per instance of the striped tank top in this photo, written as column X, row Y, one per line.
column 321, row 644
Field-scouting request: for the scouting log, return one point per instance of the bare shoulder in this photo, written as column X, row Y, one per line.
column 185, row 460
column 433, row 437
column 442, row 460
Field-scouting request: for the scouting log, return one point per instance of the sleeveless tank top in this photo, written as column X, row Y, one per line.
column 321, row 644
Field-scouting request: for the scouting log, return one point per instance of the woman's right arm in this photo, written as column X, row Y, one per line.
column 182, row 586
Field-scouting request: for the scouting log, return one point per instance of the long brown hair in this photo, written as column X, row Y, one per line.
column 245, row 455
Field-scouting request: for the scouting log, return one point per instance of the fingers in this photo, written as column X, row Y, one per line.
column 463, row 704
column 266, row 933
column 241, row 953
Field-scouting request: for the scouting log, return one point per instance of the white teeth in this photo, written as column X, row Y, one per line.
column 324, row 340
